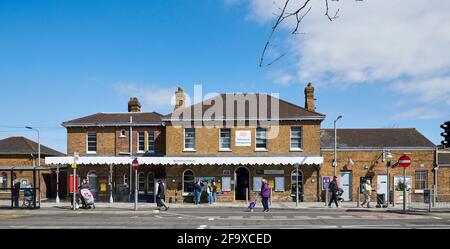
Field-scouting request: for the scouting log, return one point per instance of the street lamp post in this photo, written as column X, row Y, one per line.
column 388, row 156
column 39, row 143
column 335, row 144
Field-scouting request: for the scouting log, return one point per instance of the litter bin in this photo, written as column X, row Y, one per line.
column 380, row 200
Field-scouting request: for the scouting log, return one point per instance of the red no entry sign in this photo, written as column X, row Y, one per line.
column 135, row 164
column 404, row 161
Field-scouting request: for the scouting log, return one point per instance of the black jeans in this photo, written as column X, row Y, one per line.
column 265, row 203
column 333, row 198
column 16, row 200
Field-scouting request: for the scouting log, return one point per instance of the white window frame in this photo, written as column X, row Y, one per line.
column 123, row 133
column 138, row 141
column 228, row 149
column 182, row 183
column 261, row 149
column 301, row 139
column 87, row 142
column 184, row 140
column 153, row 142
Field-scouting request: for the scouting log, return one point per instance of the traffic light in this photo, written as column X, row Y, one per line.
column 446, row 134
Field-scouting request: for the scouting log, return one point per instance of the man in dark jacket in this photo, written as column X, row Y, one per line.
column 198, row 188
column 160, row 196
column 334, row 188
column 16, row 193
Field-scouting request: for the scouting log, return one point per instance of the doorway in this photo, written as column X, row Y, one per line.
column 382, row 185
column 241, row 177
column 346, row 185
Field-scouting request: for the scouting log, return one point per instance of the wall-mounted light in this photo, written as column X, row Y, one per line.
column 366, row 166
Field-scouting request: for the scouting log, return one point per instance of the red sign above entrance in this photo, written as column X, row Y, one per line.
column 404, row 161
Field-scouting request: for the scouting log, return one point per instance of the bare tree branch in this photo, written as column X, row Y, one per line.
column 299, row 14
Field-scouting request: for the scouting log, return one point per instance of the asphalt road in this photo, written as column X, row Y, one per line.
column 218, row 218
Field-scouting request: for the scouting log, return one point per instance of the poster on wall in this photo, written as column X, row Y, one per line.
column 243, row 138
column 257, row 181
column 226, row 184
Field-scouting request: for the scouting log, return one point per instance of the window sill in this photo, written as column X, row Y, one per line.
column 295, row 150
column 122, row 136
column 91, row 152
column 261, row 150
column 225, row 150
column 189, row 150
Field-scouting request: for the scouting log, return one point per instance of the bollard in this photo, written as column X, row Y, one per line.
column 270, row 196
column 246, row 195
column 358, row 194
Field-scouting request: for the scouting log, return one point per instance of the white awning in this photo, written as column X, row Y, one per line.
column 237, row 160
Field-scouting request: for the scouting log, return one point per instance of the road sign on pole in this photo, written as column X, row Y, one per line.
column 135, row 166
column 404, row 162
column 76, row 156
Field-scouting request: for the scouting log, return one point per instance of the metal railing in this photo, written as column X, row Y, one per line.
column 434, row 199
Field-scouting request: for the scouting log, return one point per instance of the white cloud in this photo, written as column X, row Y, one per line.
column 433, row 90
column 420, row 113
column 403, row 45
column 152, row 97
column 281, row 78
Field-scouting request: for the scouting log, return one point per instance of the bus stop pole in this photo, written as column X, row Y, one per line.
column 74, row 188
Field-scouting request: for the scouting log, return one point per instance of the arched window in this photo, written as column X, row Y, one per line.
column 92, row 181
column 4, row 181
column 294, row 181
column 188, row 182
column 150, row 183
column 141, row 182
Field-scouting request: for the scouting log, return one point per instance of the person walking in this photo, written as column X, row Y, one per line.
column 198, row 191
column 334, row 188
column 367, row 191
column 16, row 193
column 209, row 191
column 160, row 196
column 214, row 191
column 265, row 195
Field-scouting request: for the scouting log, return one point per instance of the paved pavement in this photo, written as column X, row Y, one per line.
column 218, row 216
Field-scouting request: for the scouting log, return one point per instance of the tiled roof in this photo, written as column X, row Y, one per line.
column 286, row 110
column 116, row 119
column 375, row 138
column 22, row 146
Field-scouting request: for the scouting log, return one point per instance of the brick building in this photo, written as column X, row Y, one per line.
column 237, row 140
column 362, row 154
column 17, row 152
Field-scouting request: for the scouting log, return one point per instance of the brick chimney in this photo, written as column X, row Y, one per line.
column 134, row 105
column 309, row 98
column 180, row 98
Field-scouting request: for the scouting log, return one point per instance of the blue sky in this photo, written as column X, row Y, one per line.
column 60, row 60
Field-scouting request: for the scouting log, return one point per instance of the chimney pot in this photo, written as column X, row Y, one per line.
column 309, row 97
column 180, row 98
column 134, row 105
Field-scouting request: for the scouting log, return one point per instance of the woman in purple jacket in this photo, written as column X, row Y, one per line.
column 265, row 194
